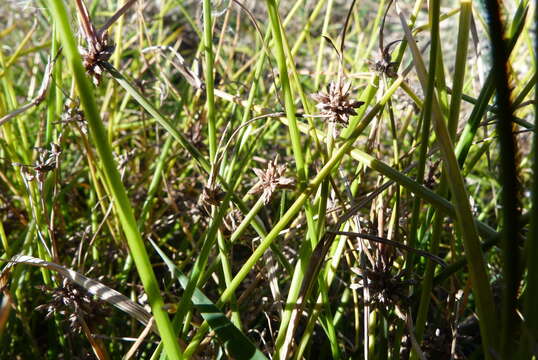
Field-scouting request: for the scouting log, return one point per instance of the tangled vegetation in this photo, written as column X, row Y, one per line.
column 318, row 179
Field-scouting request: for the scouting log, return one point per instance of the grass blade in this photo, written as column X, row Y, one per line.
column 237, row 344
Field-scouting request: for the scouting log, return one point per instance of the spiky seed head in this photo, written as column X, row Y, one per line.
column 270, row 180
column 336, row 103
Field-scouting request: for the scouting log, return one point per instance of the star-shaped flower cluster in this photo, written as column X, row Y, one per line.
column 270, row 180
column 99, row 50
column 74, row 303
column 336, row 104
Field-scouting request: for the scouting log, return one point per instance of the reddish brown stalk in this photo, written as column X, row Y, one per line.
column 113, row 18
column 99, row 48
column 86, row 23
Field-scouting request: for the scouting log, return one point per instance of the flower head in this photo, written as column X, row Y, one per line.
column 270, row 180
column 73, row 302
column 336, row 104
column 98, row 52
column 211, row 195
column 99, row 48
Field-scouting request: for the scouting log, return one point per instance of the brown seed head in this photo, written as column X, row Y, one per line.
column 270, row 180
column 99, row 50
column 336, row 104
column 72, row 301
column 212, row 195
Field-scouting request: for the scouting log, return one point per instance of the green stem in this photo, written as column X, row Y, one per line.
column 459, row 75
column 209, row 81
column 286, row 89
column 466, row 138
column 200, row 264
column 531, row 298
column 478, row 272
column 112, row 176
column 279, row 46
column 508, row 180
column 319, row 61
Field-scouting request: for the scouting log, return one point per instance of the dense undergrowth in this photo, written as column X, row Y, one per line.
column 248, row 179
